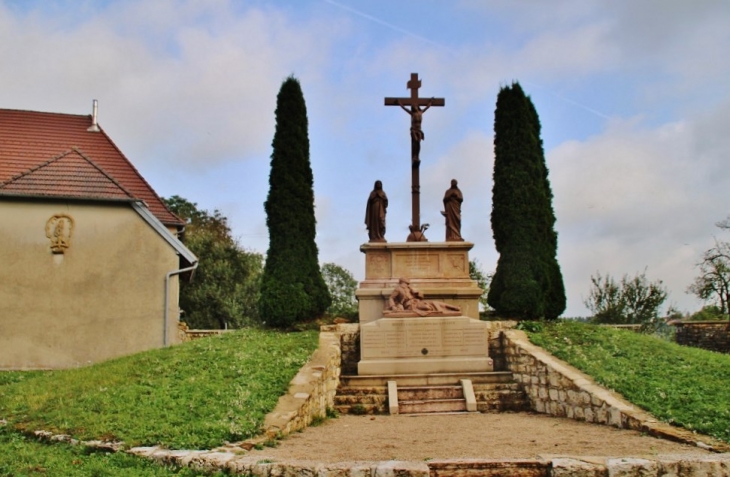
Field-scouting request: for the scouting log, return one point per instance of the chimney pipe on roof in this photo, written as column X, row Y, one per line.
column 94, row 126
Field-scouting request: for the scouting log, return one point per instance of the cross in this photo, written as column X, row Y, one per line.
column 417, row 136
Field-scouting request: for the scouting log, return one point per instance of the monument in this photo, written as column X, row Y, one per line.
column 418, row 306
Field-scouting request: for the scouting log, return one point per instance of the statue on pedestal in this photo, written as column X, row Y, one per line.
column 452, row 212
column 375, row 213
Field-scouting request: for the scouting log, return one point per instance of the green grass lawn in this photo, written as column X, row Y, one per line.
column 21, row 456
column 685, row 386
column 195, row 396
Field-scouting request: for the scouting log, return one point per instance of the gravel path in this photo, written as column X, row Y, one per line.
column 506, row 435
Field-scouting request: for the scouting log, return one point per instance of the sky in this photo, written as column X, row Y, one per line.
column 633, row 97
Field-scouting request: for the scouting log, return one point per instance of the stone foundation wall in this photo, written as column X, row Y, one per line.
column 710, row 335
column 312, row 391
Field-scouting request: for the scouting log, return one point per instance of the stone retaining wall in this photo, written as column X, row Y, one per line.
column 710, row 335
column 311, row 393
column 558, row 389
column 186, row 334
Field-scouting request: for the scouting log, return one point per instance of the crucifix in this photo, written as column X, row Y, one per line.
column 416, row 112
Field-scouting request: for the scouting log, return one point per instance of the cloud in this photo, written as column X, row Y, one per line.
column 172, row 88
column 633, row 198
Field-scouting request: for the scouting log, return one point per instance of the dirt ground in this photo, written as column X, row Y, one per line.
column 506, row 435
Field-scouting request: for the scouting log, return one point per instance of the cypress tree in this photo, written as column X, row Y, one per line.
column 528, row 283
column 292, row 288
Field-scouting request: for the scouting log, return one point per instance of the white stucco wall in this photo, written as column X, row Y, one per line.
column 103, row 298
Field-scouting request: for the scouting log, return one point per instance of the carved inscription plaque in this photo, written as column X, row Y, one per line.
column 421, row 265
column 429, row 337
column 377, row 265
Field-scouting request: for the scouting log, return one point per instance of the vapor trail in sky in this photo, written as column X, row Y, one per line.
column 384, row 23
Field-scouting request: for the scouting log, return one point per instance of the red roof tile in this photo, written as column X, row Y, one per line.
column 39, row 153
column 70, row 174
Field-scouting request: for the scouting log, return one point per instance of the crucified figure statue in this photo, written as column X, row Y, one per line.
column 416, row 132
column 418, row 106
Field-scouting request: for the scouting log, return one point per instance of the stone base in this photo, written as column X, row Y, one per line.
column 424, row 346
column 423, row 366
column 440, row 270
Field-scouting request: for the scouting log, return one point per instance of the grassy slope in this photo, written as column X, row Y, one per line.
column 681, row 385
column 196, row 395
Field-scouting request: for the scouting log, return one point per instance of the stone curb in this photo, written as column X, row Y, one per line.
column 674, row 465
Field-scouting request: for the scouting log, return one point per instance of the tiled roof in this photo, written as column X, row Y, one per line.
column 70, row 174
column 51, row 154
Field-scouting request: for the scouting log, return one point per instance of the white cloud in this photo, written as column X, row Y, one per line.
column 191, row 93
column 633, row 198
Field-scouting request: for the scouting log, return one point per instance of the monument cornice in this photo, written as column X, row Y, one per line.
column 373, row 246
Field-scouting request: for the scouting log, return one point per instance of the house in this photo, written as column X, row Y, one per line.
column 90, row 259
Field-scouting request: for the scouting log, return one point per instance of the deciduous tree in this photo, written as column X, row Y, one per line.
column 713, row 283
column 633, row 300
column 483, row 280
column 341, row 285
column 225, row 289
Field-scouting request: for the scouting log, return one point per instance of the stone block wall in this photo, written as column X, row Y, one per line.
column 557, row 389
column 312, row 391
column 349, row 336
column 709, row 335
column 496, row 342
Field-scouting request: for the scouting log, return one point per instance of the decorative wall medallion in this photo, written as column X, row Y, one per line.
column 58, row 230
column 457, row 262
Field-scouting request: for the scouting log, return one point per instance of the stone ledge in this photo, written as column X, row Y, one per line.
column 678, row 465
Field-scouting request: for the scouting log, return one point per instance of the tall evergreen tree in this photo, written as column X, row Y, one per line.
column 292, row 288
column 528, row 283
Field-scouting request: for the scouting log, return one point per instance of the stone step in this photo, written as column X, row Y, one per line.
column 426, row 379
column 424, row 393
column 360, row 408
column 490, row 468
column 494, row 392
column 431, row 406
column 361, row 398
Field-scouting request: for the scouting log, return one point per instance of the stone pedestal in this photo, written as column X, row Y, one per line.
column 421, row 345
column 424, row 345
column 440, row 270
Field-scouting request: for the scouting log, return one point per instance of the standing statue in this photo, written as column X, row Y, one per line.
column 416, row 132
column 452, row 212
column 375, row 213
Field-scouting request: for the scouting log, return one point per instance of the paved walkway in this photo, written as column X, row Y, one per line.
column 506, row 435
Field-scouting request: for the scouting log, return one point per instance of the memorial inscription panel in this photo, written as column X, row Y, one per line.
column 424, row 337
column 422, row 265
